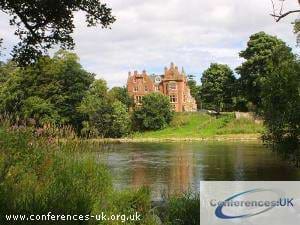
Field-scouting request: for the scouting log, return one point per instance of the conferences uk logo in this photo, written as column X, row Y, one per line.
column 249, row 202
column 256, row 206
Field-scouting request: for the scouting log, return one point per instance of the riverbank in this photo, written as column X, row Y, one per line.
column 219, row 138
column 188, row 127
column 193, row 127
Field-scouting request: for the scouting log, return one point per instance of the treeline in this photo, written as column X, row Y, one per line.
column 58, row 91
column 267, row 83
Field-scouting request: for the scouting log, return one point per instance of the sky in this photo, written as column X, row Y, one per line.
column 150, row 34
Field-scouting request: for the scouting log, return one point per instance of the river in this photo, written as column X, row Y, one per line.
column 179, row 167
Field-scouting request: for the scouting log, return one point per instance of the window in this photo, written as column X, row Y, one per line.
column 138, row 99
column 156, row 88
column 134, row 79
column 173, row 106
column 146, row 88
column 136, row 88
column 172, row 86
column 173, row 98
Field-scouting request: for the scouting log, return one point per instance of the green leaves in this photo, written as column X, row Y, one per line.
column 105, row 115
column 49, row 90
column 260, row 48
column 42, row 25
column 155, row 112
column 218, row 87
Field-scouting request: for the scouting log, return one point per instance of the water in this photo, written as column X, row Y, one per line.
column 179, row 167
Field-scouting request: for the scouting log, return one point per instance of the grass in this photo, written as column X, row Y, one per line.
column 201, row 125
column 39, row 174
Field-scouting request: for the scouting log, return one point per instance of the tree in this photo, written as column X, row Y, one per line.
column 59, row 81
column 155, row 112
column 121, row 94
column 42, row 24
column 281, row 99
column 42, row 111
column 103, row 115
column 6, row 69
column 260, row 48
column 279, row 13
column 195, row 89
column 217, row 89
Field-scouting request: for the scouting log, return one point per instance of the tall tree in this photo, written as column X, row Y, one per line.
column 217, row 88
column 104, row 116
column 281, row 99
column 58, row 84
column 42, row 24
column 260, row 48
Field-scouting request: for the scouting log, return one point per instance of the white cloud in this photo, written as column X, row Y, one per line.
column 149, row 34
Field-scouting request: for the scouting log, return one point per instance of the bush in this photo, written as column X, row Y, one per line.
column 155, row 112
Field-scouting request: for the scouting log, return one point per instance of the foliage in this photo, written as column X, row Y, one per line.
column 181, row 210
column 105, row 116
column 6, row 69
column 155, row 112
column 58, row 83
column 121, row 94
column 129, row 202
column 40, row 110
column 281, row 99
column 39, row 176
column 218, row 87
column 43, row 24
column 253, row 71
column 195, row 89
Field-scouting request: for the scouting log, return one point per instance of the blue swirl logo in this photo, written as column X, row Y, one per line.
column 263, row 206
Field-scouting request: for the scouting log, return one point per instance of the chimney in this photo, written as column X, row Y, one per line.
column 129, row 74
column 176, row 68
column 144, row 72
column 135, row 73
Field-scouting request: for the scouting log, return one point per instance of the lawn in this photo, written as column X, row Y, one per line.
column 201, row 125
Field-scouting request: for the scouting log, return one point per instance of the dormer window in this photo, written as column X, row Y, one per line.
column 146, row 88
column 136, row 89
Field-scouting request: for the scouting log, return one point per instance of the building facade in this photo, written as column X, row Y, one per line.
column 173, row 83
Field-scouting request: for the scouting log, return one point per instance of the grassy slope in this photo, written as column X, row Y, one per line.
column 200, row 125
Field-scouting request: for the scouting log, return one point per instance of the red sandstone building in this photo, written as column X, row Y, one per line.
column 173, row 84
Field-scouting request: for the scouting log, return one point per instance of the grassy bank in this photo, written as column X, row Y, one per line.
column 193, row 126
column 41, row 174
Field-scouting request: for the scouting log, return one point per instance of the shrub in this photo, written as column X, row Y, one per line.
column 155, row 112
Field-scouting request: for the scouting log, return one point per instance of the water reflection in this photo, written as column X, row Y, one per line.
column 179, row 167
